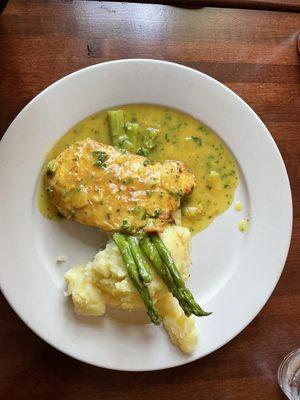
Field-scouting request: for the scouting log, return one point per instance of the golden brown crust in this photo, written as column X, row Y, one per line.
column 100, row 185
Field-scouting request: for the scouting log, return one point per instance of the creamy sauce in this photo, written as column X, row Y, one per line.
column 181, row 137
column 238, row 206
column 243, row 225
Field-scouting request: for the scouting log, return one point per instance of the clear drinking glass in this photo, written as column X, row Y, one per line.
column 289, row 375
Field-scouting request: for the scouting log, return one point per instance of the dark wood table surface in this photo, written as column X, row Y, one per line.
column 252, row 52
column 279, row 5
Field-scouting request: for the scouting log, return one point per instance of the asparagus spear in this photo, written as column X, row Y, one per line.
column 150, row 250
column 185, row 292
column 148, row 138
column 116, row 124
column 128, row 137
column 196, row 309
column 168, row 260
column 139, row 258
column 132, row 269
column 117, row 130
column 132, row 130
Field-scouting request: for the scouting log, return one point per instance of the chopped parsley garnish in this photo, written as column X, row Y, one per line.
column 148, row 162
column 142, row 151
column 157, row 212
column 49, row 189
column 125, row 227
column 197, row 140
column 60, row 215
column 127, row 180
column 50, row 169
column 101, row 158
column 124, row 142
column 144, row 215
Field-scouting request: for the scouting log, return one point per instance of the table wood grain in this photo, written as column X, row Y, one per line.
column 278, row 5
column 252, row 52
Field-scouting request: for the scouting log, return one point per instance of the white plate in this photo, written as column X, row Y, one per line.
column 233, row 274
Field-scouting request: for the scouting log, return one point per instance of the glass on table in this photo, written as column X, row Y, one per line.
column 289, row 375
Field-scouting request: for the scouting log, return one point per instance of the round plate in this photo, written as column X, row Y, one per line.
column 232, row 274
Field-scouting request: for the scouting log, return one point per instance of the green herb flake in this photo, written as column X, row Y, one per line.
column 144, row 215
column 60, row 215
column 197, row 140
column 50, row 169
column 101, row 158
column 125, row 227
column 127, row 180
column 49, row 189
column 142, row 151
column 148, row 162
column 124, row 142
column 136, row 209
column 157, row 212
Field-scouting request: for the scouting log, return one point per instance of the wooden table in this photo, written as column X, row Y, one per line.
column 278, row 5
column 252, row 52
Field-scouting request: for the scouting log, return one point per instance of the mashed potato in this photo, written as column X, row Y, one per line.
column 104, row 281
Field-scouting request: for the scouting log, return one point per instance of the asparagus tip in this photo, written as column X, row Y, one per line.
column 155, row 318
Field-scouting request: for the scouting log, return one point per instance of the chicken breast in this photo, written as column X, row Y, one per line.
column 100, row 185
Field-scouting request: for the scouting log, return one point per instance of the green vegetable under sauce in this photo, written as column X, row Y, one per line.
column 163, row 134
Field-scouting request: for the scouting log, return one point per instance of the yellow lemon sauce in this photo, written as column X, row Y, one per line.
column 181, row 137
